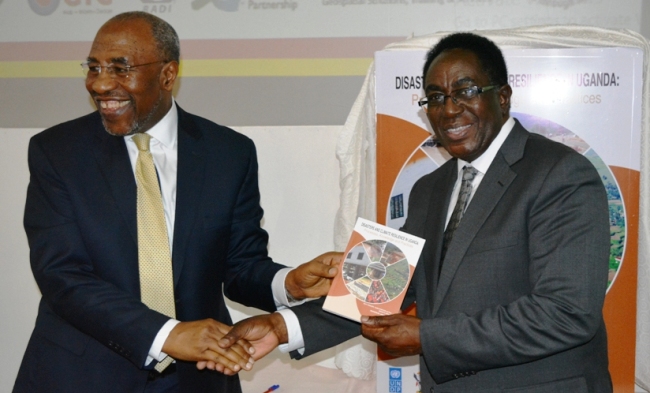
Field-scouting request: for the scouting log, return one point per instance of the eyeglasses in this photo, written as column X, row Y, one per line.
column 460, row 96
column 92, row 69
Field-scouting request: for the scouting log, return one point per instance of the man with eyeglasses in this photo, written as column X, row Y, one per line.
column 510, row 286
column 139, row 217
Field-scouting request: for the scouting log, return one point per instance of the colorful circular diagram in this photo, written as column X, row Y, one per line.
column 376, row 271
column 429, row 156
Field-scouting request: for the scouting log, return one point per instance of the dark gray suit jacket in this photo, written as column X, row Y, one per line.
column 518, row 304
column 92, row 333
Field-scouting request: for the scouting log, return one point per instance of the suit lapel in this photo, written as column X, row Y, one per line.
column 115, row 165
column 436, row 216
column 494, row 184
column 189, row 178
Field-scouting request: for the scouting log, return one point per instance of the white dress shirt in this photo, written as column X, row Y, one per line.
column 482, row 163
column 164, row 149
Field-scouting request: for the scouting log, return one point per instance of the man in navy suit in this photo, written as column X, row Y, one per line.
column 93, row 333
column 511, row 301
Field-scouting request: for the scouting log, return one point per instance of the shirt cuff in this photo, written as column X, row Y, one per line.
column 155, row 352
column 296, row 341
column 280, row 292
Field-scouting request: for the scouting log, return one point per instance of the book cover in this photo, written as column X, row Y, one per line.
column 377, row 268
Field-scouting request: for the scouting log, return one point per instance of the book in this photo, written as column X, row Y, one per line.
column 377, row 268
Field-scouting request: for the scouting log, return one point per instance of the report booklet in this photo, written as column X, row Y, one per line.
column 377, row 268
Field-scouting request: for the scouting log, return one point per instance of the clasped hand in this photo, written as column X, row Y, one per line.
column 219, row 347
column 259, row 335
column 255, row 337
column 197, row 341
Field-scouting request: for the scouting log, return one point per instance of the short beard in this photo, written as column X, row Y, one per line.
column 136, row 126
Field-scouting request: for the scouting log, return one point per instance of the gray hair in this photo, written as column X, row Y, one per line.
column 163, row 33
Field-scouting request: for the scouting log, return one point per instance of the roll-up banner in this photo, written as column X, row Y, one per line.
column 586, row 98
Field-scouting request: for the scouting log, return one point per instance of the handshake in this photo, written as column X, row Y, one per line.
column 217, row 346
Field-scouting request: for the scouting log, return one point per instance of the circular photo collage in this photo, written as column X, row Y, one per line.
column 429, row 156
column 375, row 271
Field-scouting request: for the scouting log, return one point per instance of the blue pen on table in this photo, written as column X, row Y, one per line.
column 272, row 388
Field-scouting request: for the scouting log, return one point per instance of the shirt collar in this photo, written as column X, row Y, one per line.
column 483, row 162
column 166, row 130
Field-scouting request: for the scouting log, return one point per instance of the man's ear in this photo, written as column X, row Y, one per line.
column 168, row 75
column 505, row 92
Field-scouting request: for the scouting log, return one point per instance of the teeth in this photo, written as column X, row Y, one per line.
column 457, row 130
column 112, row 104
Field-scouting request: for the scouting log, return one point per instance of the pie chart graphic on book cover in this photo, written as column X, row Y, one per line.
column 376, row 271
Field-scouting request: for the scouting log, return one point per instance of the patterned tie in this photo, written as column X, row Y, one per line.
column 155, row 262
column 469, row 172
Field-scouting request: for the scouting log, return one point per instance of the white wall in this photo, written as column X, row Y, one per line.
column 18, row 292
column 299, row 186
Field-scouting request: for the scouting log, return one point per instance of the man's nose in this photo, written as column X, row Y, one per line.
column 450, row 107
column 101, row 83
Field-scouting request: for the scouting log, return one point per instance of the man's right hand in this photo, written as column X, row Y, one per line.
column 313, row 279
column 197, row 341
column 263, row 332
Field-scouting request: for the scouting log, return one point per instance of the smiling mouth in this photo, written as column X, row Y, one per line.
column 113, row 104
column 455, row 131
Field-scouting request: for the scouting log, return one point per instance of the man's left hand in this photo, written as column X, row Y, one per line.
column 313, row 279
column 263, row 332
column 397, row 335
column 198, row 341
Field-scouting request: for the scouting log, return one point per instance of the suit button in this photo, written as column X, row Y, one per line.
column 456, row 376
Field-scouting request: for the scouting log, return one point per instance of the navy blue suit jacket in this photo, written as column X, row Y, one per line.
column 92, row 332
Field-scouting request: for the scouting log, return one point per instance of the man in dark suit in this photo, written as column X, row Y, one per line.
column 93, row 333
column 509, row 298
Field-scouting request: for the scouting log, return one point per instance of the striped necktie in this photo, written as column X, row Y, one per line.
column 469, row 172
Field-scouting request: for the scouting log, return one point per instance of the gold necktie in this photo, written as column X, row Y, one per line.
column 155, row 262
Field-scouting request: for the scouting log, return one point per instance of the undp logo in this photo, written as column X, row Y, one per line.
column 394, row 380
column 43, row 7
